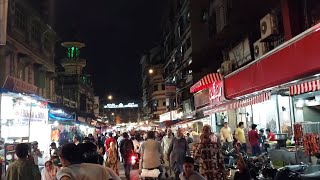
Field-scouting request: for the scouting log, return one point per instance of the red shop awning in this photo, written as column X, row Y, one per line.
column 238, row 103
column 250, row 101
column 305, row 87
column 205, row 82
column 293, row 60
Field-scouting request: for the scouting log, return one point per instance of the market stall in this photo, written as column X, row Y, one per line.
column 24, row 118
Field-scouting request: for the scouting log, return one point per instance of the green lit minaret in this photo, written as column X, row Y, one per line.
column 73, row 64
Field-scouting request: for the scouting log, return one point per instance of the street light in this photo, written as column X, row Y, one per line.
column 110, row 97
column 112, row 114
column 151, row 71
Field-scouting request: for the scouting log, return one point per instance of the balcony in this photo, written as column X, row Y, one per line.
column 158, row 95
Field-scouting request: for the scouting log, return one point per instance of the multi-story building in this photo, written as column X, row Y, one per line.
column 185, row 38
column 73, row 87
column 27, row 50
column 154, row 94
column 269, row 63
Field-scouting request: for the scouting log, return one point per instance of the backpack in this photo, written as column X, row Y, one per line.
column 127, row 148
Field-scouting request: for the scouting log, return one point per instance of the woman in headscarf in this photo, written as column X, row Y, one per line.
column 49, row 171
column 112, row 160
column 206, row 130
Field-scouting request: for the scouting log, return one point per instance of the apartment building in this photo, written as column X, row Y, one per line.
column 153, row 85
column 27, row 53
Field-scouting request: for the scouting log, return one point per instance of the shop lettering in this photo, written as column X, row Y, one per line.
column 215, row 93
column 121, row 105
column 37, row 115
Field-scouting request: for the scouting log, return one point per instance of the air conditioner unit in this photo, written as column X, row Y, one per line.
column 260, row 48
column 268, row 26
column 226, row 67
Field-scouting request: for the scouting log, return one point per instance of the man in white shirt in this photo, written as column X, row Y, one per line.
column 151, row 153
column 73, row 169
column 165, row 144
column 226, row 136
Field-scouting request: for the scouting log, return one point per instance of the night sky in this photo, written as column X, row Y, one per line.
column 116, row 33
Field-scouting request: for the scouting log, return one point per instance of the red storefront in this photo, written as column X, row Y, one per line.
column 274, row 84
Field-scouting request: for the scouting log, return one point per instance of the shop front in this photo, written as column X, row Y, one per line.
column 274, row 91
column 62, row 122
column 24, row 118
column 290, row 74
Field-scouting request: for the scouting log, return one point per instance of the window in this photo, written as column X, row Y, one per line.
column 163, row 87
column 20, row 20
column 188, row 16
column 35, row 30
column 155, row 87
column 73, row 52
column 164, row 103
column 204, row 15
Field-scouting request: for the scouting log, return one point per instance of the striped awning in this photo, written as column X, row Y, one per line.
column 205, row 82
column 305, row 87
column 250, row 101
column 237, row 103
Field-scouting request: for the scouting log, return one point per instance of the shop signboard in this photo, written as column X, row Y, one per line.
column 169, row 116
column 216, row 93
column 38, row 115
column 165, row 117
column 60, row 115
column 170, row 89
column 201, row 98
column 120, row 106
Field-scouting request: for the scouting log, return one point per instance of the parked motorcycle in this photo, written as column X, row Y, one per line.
column 296, row 172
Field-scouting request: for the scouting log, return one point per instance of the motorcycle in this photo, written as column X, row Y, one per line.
column 134, row 159
column 296, row 172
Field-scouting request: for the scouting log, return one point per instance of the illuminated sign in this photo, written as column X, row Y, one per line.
column 216, row 94
column 121, row 105
column 172, row 115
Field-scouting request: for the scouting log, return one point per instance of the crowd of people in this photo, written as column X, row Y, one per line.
column 178, row 155
column 71, row 161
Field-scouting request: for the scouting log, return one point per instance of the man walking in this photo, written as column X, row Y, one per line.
column 177, row 153
column 165, row 144
column 126, row 150
column 151, row 153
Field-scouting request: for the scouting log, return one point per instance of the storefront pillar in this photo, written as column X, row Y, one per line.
column 278, row 114
column 232, row 118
